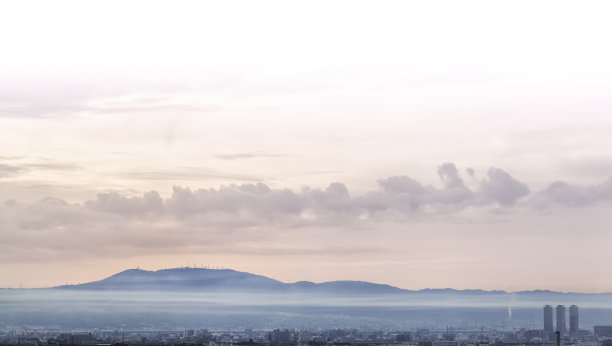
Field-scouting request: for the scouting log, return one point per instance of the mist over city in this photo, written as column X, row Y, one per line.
column 433, row 173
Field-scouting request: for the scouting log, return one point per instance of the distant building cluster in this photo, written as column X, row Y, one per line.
column 601, row 336
column 556, row 332
column 560, row 319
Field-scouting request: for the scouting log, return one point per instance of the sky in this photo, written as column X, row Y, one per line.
column 418, row 144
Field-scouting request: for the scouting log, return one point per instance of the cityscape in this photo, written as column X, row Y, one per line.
column 599, row 335
column 312, row 173
column 204, row 306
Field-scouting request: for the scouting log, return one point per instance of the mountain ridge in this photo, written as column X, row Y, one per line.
column 194, row 279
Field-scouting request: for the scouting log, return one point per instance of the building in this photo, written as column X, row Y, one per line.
column 304, row 336
column 532, row 334
column 76, row 338
column 548, row 323
column 278, row 336
column 602, row 331
column 573, row 320
column 561, row 326
column 403, row 337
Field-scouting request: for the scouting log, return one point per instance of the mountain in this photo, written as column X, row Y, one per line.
column 215, row 298
column 180, row 279
column 200, row 279
column 224, row 280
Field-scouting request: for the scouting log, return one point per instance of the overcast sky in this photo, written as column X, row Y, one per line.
column 418, row 144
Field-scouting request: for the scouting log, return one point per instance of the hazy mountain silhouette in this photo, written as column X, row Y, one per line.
column 200, row 279
column 225, row 298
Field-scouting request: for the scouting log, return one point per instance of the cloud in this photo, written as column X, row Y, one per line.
column 560, row 193
column 68, row 101
column 403, row 193
column 402, row 185
column 38, row 111
column 150, row 202
column 17, row 168
column 187, row 173
column 52, row 166
column 248, row 155
column 238, row 215
column 502, row 188
column 256, row 204
column 248, row 200
column 449, row 175
column 9, row 170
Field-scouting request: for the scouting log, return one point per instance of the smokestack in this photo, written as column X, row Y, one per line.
column 557, row 338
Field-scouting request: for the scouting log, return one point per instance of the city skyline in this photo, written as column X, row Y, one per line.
column 420, row 145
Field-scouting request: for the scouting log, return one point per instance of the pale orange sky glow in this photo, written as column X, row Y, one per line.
column 421, row 145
